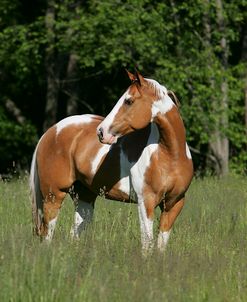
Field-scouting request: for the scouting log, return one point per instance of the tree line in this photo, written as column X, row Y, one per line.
column 59, row 58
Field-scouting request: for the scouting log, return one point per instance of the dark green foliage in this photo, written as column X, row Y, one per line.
column 179, row 43
column 16, row 144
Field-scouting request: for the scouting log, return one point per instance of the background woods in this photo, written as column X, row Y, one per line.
column 59, row 58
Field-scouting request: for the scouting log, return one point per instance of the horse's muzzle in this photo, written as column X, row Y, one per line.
column 106, row 137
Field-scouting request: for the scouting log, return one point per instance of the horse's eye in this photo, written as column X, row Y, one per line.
column 128, row 101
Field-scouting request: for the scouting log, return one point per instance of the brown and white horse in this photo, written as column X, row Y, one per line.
column 140, row 147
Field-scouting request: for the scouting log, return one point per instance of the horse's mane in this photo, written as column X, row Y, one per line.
column 173, row 96
column 160, row 90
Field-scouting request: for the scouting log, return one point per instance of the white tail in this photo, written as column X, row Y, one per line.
column 36, row 195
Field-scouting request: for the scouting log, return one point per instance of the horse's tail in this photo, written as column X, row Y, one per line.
column 36, row 195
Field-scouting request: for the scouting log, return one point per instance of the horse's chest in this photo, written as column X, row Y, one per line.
column 133, row 176
column 139, row 169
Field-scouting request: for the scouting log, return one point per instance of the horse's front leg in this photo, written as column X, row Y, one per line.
column 146, row 214
column 84, row 207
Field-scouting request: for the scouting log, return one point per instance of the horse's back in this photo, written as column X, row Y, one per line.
column 56, row 149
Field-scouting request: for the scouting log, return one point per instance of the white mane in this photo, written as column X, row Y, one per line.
column 160, row 90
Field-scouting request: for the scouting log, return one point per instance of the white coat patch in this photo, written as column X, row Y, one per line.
column 73, row 120
column 102, row 151
column 125, row 185
column 162, row 106
column 138, row 179
column 139, row 168
column 164, row 102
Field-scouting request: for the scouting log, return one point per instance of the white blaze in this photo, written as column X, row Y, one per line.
column 107, row 122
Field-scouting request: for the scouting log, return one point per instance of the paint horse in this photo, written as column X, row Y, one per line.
column 140, row 147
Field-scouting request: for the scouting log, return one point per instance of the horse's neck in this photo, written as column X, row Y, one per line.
column 171, row 130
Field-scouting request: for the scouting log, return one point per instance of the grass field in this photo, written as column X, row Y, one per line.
column 206, row 258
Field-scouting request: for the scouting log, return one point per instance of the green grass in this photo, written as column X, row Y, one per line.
column 206, row 258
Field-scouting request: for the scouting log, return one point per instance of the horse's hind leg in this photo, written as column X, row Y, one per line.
column 167, row 218
column 51, row 206
column 84, row 207
column 46, row 203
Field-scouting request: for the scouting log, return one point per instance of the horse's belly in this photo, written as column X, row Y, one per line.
column 121, row 191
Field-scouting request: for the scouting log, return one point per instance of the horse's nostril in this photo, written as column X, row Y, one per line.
column 100, row 133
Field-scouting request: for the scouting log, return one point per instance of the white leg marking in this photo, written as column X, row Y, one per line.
column 163, row 238
column 83, row 216
column 51, row 228
column 138, row 180
column 146, row 226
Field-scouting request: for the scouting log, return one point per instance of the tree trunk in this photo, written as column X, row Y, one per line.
column 15, row 111
column 244, row 59
column 219, row 142
column 178, row 49
column 71, row 85
column 50, row 65
column 245, row 97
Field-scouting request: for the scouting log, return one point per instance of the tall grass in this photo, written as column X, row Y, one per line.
column 205, row 259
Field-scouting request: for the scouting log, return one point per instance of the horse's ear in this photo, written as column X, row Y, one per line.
column 131, row 76
column 172, row 95
column 140, row 78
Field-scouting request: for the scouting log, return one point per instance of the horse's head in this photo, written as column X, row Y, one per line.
column 137, row 107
